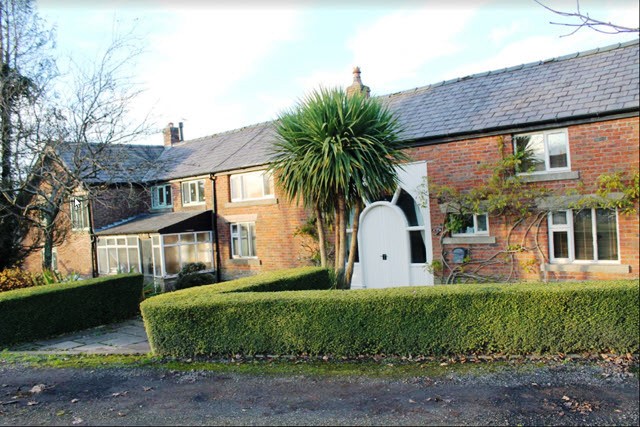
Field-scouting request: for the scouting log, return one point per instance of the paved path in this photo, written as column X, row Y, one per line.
column 128, row 337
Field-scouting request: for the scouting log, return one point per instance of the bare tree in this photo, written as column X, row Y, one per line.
column 72, row 146
column 26, row 68
column 583, row 20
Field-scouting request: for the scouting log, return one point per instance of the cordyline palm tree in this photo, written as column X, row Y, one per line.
column 334, row 151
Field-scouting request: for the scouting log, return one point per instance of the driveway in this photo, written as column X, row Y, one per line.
column 526, row 394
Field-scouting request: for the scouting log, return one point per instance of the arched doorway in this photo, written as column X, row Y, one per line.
column 385, row 252
column 394, row 241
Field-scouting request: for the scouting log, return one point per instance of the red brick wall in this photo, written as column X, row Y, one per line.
column 73, row 247
column 275, row 225
column 117, row 203
column 595, row 149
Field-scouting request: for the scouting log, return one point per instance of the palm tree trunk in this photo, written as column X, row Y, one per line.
column 336, row 239
column 342, row 239
column 321, row 236
column 353, row 249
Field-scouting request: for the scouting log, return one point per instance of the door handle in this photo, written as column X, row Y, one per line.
column 384, row 257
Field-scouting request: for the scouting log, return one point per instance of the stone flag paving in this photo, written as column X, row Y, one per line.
column 128, row 337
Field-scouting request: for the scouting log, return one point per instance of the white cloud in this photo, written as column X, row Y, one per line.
column 498, row 34
column 397, row 45
column 204, row 54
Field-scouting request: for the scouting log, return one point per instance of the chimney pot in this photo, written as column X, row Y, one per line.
column 171, row 135
column 357, row 86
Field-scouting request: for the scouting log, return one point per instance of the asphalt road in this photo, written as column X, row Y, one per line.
column 562, row 394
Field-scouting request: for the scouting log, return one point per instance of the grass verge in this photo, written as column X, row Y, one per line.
column 370, row 367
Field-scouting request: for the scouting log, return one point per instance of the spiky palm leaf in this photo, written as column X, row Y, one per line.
column 332, row 144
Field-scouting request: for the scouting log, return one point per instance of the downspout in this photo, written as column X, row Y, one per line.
column 214, row 226
column 92, row 237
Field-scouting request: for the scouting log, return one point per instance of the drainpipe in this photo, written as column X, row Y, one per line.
column 214, row 226
column 92, row 237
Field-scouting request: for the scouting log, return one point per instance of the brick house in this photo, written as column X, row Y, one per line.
column 211, row 201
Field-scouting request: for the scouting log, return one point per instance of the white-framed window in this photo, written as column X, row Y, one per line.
column 243, row 240
column 193, row 192
column 79, row 209
column 585, row 235
column 183, row 248
column 542, row 152
column 161, row 196
column 251, row 186
column 118, row 254
column 471, row 224
column 54, row 258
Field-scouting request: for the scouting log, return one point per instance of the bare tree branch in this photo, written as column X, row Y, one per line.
column 585, row 21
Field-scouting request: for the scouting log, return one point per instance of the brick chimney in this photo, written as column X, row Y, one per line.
column 172, row 134
column 357, row 86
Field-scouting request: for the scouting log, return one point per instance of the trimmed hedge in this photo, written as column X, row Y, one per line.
column 42, row 311
column 456, row 319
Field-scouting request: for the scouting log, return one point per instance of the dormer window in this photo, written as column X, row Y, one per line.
column 251, row 186
column 161, row 196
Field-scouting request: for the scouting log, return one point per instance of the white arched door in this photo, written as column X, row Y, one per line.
column 385, row 252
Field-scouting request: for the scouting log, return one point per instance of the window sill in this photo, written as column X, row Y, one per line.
column 245, row 261
column 258, row 202
column 588, row 268
column 190, row 205
column 549, row 176
column 468, row 240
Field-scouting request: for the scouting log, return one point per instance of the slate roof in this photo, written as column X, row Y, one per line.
column 160, row 222
column 111, row 163
column 240, row 148
column 598, row 82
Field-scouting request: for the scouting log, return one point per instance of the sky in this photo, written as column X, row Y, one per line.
column 218, row 66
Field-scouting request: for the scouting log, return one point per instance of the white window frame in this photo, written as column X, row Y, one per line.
column 236, row 239
column 545, row 137
column 239, row 179
column 186, row 195
column 475, row 226
column 180, row 243
column 569, row 229
column 111, row 242
column 155, row 203
column 80, row 213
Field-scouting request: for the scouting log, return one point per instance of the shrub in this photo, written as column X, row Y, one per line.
column 190, row 276
column 457, row 319
column 42, row 311
column 159, row 312
column 15, row 278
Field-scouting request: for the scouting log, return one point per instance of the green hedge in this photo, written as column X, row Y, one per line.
column 456, row 319
column 42, row 311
